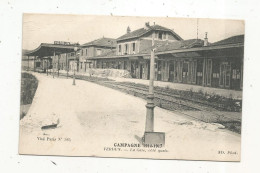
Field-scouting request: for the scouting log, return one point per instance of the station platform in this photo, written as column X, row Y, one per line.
column 177, row 86
column 187, row 87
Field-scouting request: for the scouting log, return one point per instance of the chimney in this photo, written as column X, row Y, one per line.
column 206, row 42
column 147, row 26
column 128, row 30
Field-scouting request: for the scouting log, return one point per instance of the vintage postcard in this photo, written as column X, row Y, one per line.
column 132, row 87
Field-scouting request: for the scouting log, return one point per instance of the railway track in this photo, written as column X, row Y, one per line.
column 170, row 102
column 160, row 99
column 164, row 99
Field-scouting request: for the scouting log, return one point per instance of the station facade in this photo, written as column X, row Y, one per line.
column 66, row 61
column 192, row 61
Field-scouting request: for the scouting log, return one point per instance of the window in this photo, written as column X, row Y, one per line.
column 235, row 74
column 98, row 51
column 125, row 65
column 126, row 48
column 86, row 52
column 164, row 36
column 38, row 64
column 160, row 35
column 156, row 34
column 82, row 52
column 133, row 46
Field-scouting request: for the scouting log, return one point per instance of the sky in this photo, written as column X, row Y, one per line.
column 47, row 28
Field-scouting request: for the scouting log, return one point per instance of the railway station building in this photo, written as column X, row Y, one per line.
column 193, row 61
column 84, row 52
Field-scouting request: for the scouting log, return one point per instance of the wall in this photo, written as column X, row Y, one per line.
column 129, row 43
column 143, row 42
column 25, row 63
column 92, row 51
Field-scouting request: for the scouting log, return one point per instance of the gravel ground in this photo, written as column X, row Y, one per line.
column 91, row 118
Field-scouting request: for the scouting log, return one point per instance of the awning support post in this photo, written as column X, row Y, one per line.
column 53, row 63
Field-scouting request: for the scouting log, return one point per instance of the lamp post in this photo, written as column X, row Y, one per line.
column 151, row 137
column 75, row 49
column 149, row 125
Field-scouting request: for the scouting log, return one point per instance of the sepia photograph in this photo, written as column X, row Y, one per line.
column 131, row 87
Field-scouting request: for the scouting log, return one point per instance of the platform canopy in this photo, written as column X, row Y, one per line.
column 46, row 49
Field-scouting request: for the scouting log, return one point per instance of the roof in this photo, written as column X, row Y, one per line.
column 191, row 45
column 231, row 40
column 184, row 44
column 24, row 51
column 103, row 42
column 46, row 49
column 142, row 31
column 110, row 53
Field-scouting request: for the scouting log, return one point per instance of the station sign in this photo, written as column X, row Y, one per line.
column 65, row 43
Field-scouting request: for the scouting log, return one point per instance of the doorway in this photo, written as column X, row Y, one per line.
column 141, row 71
column 171, row 72
column 185, row 71
column 225, row 73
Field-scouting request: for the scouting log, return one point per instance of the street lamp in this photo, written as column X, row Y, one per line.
column 75, row 49
column 151, row 137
